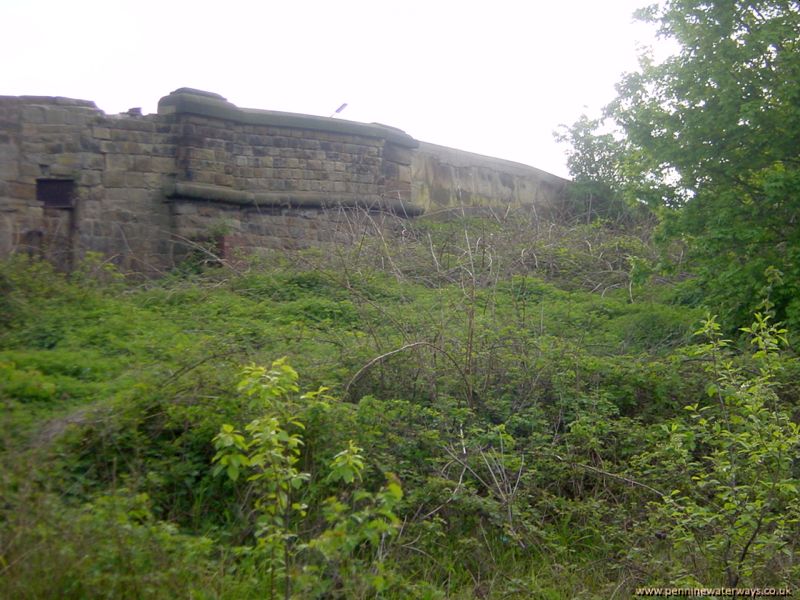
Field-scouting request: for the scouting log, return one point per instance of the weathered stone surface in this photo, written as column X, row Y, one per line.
column 145, row 186
column 444, row 177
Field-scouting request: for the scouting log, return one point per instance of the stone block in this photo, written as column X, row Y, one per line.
column 142, row 163
column 201, row 154
column 163, row 149
column 355, row 149
column 22, row 191
column 308, row 144
column 364, row 178
column 56, row 116
column 136, row 148
column 63, row 171
column 90, row 178
column 31, row 170
column 123, row 216
column 33, row 114
column 163, row 164
column 223, row 179
column 73, row 146
column 118, row 162
column 88, row 144
column 71, row 160
column 8, row 152
column 404, row 173
column 398, row 154
column 144, row 125
column 114, row 177
column 134, row 179
column 126, row 195
column 101, row 133
column 97, row 194
column 9, row 170
column 390, row 170
column 153, row 180
column 93, row 161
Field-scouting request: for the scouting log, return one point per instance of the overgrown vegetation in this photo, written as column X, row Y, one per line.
column 499, row 412
column 480, row 407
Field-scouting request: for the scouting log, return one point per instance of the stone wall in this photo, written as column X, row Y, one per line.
column 117, row 167
column 143, row 190
column 444, row 178
column 265, row 179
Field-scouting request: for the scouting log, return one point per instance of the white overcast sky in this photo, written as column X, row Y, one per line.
column 495, row 77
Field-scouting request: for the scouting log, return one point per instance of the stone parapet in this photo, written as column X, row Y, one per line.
column 444, row 178
column 214, row 106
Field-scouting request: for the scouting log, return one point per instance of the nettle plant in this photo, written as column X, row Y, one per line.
column 739, row 504
column 351, row 549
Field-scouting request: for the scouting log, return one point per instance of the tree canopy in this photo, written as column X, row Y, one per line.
column 711, row 136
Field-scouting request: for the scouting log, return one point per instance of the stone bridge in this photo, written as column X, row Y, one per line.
column 144, row 189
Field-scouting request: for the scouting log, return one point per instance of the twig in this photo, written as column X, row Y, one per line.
column 382, row 357
column 613, row 476
column 377, row 360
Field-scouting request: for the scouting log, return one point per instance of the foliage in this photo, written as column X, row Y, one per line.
column 709, row 136
column 736, row 504
column 498, row 423
column 270, row 454
column 110, row 547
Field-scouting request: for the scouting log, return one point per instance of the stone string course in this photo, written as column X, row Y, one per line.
column 146, row 188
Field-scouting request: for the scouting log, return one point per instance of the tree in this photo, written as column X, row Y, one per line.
column 726, row 105
column 359, row 522
column 711, row 136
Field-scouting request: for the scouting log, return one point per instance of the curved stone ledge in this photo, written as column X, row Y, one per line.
column 309, row 200
column 469, row 160
column 207, row 104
